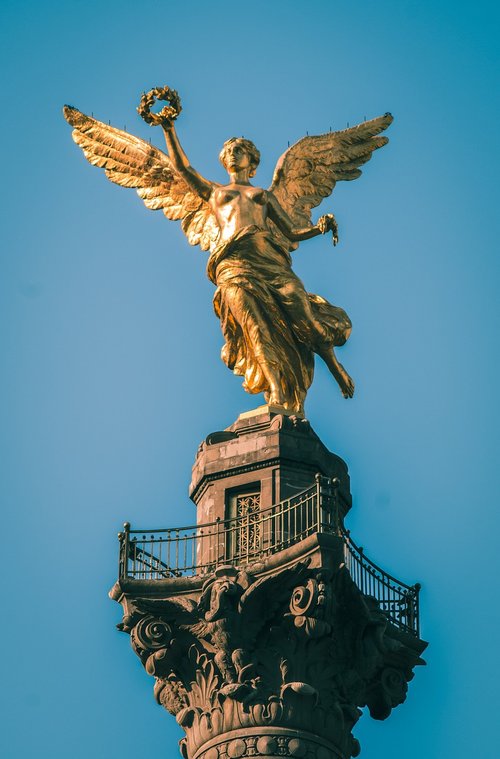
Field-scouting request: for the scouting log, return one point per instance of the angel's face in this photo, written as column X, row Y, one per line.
column 237, row 157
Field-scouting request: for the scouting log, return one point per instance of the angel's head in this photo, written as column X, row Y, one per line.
column 237, row 153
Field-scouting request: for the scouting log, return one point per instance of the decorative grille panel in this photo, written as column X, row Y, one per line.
column 248, row 534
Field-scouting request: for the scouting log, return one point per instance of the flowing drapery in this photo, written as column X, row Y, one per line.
column 271, row 325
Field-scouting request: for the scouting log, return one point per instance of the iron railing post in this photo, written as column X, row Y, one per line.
column 202, row 560
column 248, row 532
column 217, row 538
column 121, row 555
column 361, row 570
column 318, row 501
column 416, row 624
column 336, row 512
column 124, row 538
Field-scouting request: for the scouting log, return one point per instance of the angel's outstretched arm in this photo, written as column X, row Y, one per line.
column 285, row 225
column 196, row 182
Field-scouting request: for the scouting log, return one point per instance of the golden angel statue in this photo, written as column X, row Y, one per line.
column 272, row 327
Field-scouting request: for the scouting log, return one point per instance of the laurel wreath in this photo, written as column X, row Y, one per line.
column 168, row 112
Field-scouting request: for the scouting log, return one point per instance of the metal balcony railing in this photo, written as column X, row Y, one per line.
column 400, row 602
column 243, row 540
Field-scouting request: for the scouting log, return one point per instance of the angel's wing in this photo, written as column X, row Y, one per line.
column 308, row 171
column 132, row 162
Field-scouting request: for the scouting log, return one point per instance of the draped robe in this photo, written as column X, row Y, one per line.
column 271, row 325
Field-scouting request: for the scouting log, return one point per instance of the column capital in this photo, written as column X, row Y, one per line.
column 273, row 665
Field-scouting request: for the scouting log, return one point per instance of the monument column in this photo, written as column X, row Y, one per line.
column 267, row 630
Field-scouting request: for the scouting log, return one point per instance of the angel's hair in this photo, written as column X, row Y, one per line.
column 248, row 145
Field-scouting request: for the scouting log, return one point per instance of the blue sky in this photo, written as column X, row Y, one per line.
column 111, row 375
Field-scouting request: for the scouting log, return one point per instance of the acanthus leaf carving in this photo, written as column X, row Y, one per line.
column 302, row 649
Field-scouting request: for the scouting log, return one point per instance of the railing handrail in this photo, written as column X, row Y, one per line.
column 360, row 550
column 221, row 522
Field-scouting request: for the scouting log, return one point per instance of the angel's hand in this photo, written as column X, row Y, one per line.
column 167, row 125
column 327, row 223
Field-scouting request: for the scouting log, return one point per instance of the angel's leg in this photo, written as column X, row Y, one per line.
column 258, row 339
column 303, row 322
column 345, row 382
column 310, row 330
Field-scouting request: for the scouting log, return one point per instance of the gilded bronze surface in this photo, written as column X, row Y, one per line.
column 271, row 325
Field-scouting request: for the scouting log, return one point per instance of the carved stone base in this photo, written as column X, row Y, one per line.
column 277, row 664
column 272, row 743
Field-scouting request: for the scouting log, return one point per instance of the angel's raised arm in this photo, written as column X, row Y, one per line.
column 196, row 182
column 132, row 162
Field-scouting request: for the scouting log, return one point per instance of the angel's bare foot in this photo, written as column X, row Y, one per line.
column 274, row 395
column 345, row 382
column 275, row 399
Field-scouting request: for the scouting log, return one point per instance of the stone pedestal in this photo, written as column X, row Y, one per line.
column 266, row 452
column 276, row 657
